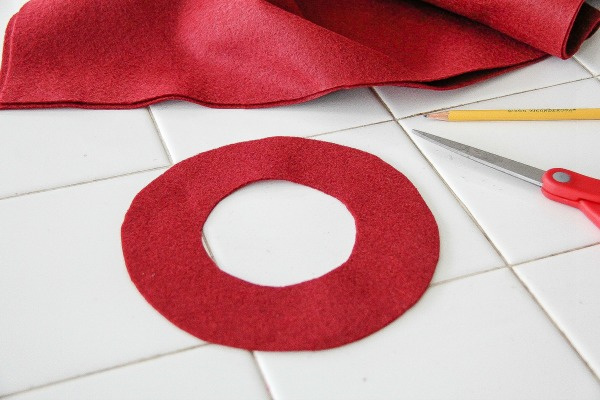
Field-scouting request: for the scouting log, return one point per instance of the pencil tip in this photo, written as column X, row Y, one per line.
column 442, row 116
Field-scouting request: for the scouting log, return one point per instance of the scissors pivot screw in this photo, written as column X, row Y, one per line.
column 562, row 177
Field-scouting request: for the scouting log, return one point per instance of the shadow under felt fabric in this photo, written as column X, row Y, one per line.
column 258, row 53
column 392, row 262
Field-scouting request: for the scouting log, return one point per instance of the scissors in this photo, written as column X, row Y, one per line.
column 558, row 184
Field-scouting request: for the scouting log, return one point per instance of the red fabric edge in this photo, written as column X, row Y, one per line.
column 482, row 75
column 574, row 40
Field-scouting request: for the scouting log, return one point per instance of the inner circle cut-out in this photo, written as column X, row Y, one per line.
column 279, row 233
column 391, row 265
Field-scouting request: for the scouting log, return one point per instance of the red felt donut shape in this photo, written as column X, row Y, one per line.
column 391, row 265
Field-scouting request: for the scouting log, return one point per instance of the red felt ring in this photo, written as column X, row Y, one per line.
column 392, row 262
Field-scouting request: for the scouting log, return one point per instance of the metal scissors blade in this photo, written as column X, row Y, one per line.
column 506, row 165
column 558, row 184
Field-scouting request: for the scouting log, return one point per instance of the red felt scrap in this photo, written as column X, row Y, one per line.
column 257, row 53
column 391, row 265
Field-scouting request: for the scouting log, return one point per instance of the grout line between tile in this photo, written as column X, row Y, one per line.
column 584, row 66
column 83, row 183
column 349, row 129
column 458, row 199
column 383, row 103
column 491, row 98
column 457, row 278
column 99, row 371
column 554, row 254
column 449, row 280
column 263, row 376
column 391, row 119
column 555, row 324
column 160, row 136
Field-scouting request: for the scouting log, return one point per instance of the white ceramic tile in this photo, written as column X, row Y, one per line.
column 567, row 287
column 278, row 233
column 67, row 304
column 480, row 337
column 189, row 129
column 283, row 239
column 409, row 101
column 589, row 53
column 209, row 372
column 43, row 149
column 521, row 222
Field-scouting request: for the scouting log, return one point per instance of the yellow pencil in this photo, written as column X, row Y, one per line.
column 517, row 114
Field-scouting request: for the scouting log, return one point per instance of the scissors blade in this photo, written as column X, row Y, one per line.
column 511, row 167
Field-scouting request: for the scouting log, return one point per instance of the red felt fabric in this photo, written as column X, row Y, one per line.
column 256, row 53
column 391, row 265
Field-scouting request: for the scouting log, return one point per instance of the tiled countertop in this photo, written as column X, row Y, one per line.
column 513, row 311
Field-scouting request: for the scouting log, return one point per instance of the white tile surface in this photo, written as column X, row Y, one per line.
column 279, row 233
column 589, row 53
column 209, row 372
column 67, row 304
column 567, row 287
column 404, row 102
column 42, row 149
column 521, row 222
column 189, row 129
column 464, row 249
column 481, row 337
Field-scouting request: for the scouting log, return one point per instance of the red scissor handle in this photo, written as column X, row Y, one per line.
column 574, row 189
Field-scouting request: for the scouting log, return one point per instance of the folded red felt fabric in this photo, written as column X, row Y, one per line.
column 256, row 53
column 557, row 27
